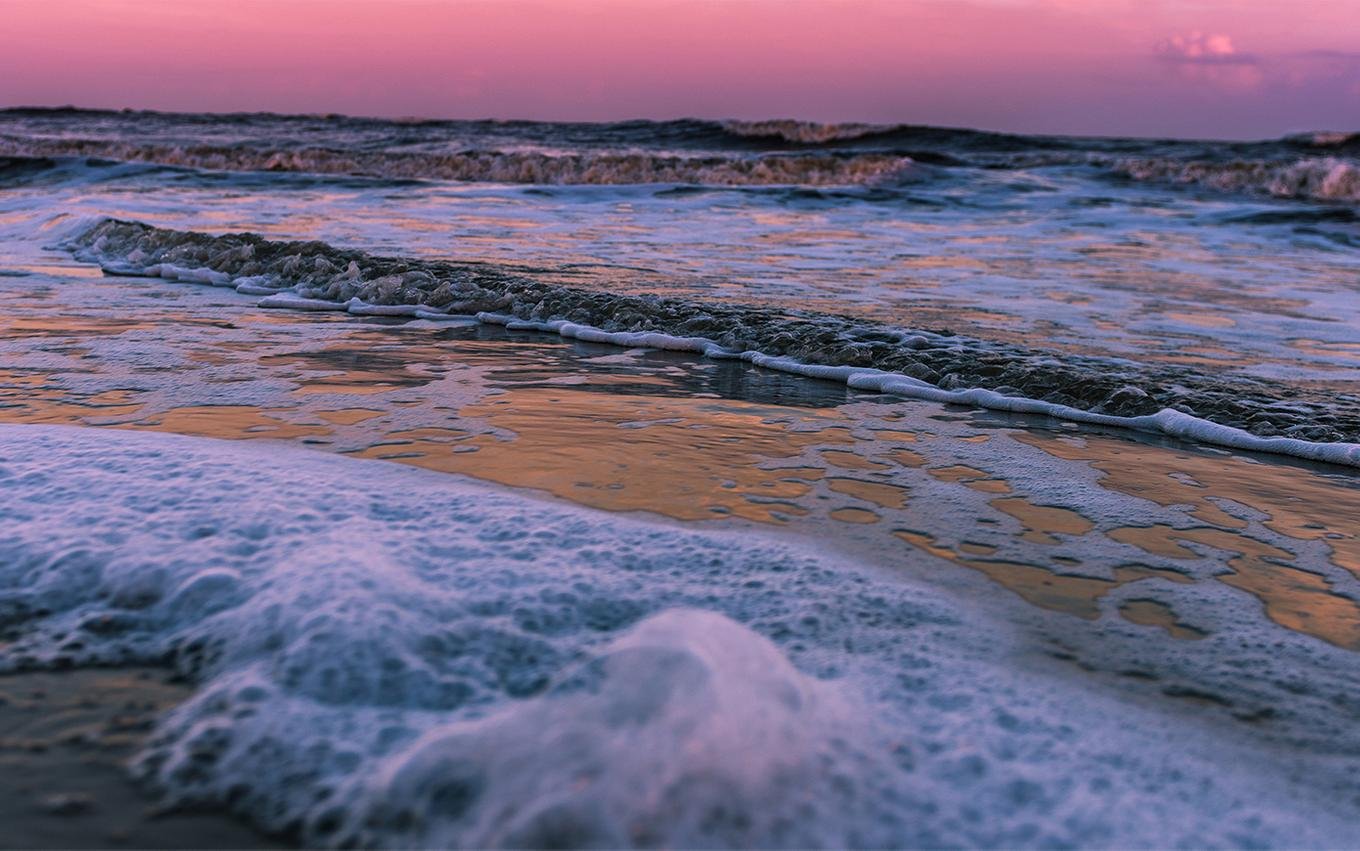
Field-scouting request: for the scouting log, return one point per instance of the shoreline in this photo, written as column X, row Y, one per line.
column 64, row 777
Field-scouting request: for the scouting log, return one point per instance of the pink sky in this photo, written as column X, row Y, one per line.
column 1148, row 67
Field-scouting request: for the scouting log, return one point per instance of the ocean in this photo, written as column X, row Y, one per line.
column 691, row 483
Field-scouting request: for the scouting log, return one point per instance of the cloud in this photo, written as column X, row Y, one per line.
column 1212, row 60
column 1199, row 48
column 1212, row 63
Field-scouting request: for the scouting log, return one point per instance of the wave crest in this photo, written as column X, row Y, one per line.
column 1312, row 178
column 601, row 168
column 804, row 132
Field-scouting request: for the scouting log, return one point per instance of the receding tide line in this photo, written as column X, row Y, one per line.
column 239, row 252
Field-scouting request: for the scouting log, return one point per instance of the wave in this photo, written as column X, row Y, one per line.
column 1327, row 139
column 805, row 132
column 911, row 139
column 684, row 133
column 19, row 169
column 596, row 167
column 599, row 168
column 1311, row 178
column 1226, row 409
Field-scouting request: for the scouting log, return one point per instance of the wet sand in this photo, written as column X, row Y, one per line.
column 64, row 751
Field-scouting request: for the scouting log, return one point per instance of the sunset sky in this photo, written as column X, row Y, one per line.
column 1211, row 68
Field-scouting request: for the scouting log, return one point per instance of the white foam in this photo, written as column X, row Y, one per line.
column 1313, row 178
column 394, row 657
column 436, row 316
column 197, row 275
column 290, row 301
column 255, row 285
column 687, row 714
column 805, row 132
column 359, row 307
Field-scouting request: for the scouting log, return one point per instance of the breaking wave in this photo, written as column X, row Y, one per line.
column 1330, row 139
column 805, row 132
column 1320, row 166
column 1227, row 409
column 1312, row 178
column 596, row 167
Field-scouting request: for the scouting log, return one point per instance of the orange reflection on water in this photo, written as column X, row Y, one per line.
column 1159, row 614
column 970, row 477
column 854, row 515
column 23, row 327
column 1327, row 349
column 1043, row 521
column 1297, row 503
column 880, row 493
column 687, row 458
column 25, row 397
column 348, row 416
column 851, row 461
column 1293, row 598
column 229, row 422
column 1074, row 595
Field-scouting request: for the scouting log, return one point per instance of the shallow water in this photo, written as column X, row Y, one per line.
column 695, row 440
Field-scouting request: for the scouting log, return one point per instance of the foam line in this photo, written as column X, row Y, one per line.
column 289, row 301
column 1167, row 421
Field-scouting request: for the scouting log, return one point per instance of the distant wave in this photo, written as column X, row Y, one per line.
column 805, row 132
column 12, row 167
column 1328, row 139
column 943, row 145
column 1313, row 178
column 1227, row 409
column 597, row 167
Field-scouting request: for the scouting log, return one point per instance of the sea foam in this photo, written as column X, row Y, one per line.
column 393, row 657
column 1309, row 178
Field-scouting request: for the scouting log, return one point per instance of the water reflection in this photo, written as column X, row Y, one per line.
column 719, row 442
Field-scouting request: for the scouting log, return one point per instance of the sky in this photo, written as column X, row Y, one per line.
column 1198, row 68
